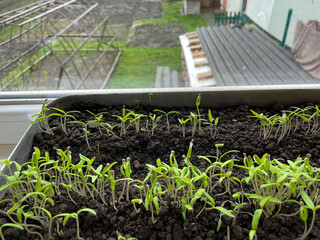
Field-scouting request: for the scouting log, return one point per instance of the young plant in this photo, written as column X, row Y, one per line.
column 283, row 123
column 218, row 164
column 263, row 181
column 151, row 202
column 167, row 116
column 123, row 119
column 275, row 182
column 237, row 203
column 67, row 216
column 213, row 123
column 113, row 189
column 102, row 181
column 102, row 125
column 255, row 223
column 50, row 220
column 83, row 172
column 266, row 123
column 155, row 119
column 98, row 119
column 64, row 116
column 315, row 118
column 120, row 237
column 183, row 125
column 136, row 120
column 194, row 122
column 226, row 175
column 85, row 131
column 42, row 119
column 126, row 171
column 198, row 110
column 12, row 225
column 305, row 205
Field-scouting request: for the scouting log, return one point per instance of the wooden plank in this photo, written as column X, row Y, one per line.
column 194, row 41
column 204, row 75
column 206, row 79
column 193, row 36
column 198, row 54
column 196, row 47
column 190, row 33
column 202, row 63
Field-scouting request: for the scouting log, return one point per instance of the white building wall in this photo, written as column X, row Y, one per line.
column 271, row 15
column 260, row 12
column 234, row 5
column 303, row 10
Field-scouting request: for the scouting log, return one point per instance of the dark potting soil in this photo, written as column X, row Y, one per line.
column 237, row 131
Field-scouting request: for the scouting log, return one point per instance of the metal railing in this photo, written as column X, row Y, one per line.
column 227, row 18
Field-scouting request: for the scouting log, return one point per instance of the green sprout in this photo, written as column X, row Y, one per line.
column 64, row 117
column 136, row 120
column 315, row 117
column 255, row 223
column 218, row 164
column 167, row 116
column 113, row 188
column 120, row 237
column 226, row 175
column 126, row 171
column 67, row 216
column 51, row 218
column 123, row 119
column 194, row 122
column 155, row 119
column 199, row 115
column 151, row 202
column 183, row 125
column 42, row 119
column 305, row 205
column 98, row 119
column 104, row 178
column 12, row 225
column 85, row 131
column 267, row 123
column 287, row 120
column 283, row 123
column 213, row 122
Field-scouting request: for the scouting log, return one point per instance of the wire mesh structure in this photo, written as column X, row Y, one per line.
column 56, row 44
column 9, row 5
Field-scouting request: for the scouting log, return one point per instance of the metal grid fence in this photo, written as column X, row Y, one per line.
column 56, row 44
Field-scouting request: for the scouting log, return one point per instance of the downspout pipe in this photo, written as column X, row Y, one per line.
column 286, row 28
column 242, row 9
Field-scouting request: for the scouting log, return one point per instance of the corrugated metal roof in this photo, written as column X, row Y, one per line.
column 242, row 56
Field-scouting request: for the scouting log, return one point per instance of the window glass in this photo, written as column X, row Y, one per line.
column 113, row 44
column 86, row 44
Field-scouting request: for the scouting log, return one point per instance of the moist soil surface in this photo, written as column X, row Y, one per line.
column 237, row 131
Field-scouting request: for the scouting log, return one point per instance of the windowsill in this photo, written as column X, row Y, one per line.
column 5, row 150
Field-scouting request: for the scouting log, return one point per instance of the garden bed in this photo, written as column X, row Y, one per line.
column 236, row 131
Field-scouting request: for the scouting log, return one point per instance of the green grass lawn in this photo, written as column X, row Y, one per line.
column 172, row 14
column 137, row 66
